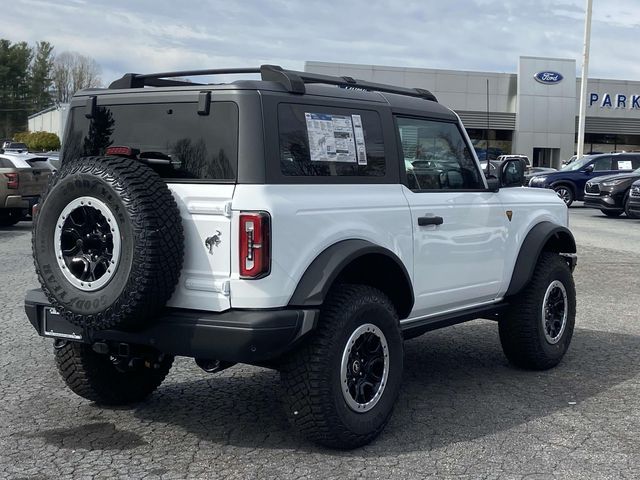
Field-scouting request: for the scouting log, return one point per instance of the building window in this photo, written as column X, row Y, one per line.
column 605, row 143
column 500, row 142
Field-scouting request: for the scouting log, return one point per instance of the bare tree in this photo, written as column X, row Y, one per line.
column 73, row 72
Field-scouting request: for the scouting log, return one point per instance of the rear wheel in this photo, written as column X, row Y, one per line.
column 565, row 193
column 9, row 217
column 109, row 379
column 536, row 330
column 340, row 388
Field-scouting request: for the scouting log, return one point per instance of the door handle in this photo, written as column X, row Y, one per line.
column 431, row 220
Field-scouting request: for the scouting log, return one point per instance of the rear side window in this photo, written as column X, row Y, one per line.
column 330, row 142
column 602, row 164
column 628, row 162
column 171, row 137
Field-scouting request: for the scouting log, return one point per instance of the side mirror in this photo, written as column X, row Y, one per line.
column 588, row 168
column 512, row 173
column 493, row 183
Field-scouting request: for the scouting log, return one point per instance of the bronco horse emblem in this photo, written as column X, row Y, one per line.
column 213, row 241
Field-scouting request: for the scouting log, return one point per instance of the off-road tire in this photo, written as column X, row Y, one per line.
column 151, row 238
column 521, row 329
column 95, row 377
column 314, row 401
column 9, row 217
column 612, row 213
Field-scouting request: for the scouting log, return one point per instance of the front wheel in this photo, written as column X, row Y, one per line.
column 536, row 330
column 109, row 379
column 627, row 210
column 340, row 387
column 612, row 213
column 565, row 193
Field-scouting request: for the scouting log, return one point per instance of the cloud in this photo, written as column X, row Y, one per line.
column 145, row 36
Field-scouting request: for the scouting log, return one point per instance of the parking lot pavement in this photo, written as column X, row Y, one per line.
column 463, row 412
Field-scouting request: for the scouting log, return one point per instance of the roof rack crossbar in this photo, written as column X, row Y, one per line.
column 134, row 80
column 292, row 80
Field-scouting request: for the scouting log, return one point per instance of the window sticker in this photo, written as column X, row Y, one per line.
column 331, row 138
column 624, row 165
column 358, row 131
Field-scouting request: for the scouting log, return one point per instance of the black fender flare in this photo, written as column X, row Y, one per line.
column 316, row 281
column 560, row 240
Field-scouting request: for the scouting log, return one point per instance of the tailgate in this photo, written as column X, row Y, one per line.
column 32, row 181
column 206, row 218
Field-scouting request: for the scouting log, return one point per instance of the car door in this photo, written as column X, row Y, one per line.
column 459, row 227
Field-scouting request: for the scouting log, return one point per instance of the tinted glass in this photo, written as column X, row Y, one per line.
column 628, row 162
column 4, row 163
column 175, row 141
column 602, row 163
column 321, row 141
column 436, row 157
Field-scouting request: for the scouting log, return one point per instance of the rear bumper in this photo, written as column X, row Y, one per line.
column 244, row 336
column 602, row 202
column 18, row 201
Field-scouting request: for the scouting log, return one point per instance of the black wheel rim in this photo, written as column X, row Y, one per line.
column 87, row 243
column 365, row 368
column 554, row 312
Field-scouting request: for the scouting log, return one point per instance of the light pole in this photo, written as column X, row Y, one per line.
column 583, row 82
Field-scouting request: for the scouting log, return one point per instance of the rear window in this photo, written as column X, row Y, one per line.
column 4, row 163
column 171, row 137
column 330, row 142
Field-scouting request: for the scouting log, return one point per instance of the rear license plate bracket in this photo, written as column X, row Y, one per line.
column 56, row 326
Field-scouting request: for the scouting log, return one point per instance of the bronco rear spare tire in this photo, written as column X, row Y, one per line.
column 108, row 242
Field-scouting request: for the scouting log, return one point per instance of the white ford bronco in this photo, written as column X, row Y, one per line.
column 301, row 222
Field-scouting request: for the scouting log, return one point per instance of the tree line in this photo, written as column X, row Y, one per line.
column 33, row 78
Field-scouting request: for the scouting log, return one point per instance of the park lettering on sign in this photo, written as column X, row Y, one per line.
column 619, row 100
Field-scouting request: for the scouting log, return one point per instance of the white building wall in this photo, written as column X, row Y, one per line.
column 51, row 120
column 458, row 90
column 546, row 113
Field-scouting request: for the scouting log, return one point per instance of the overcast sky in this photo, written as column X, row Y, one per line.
column 144, row 36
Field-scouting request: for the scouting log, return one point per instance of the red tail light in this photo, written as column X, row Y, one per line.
column 255, row 248
column 13, row 182
column 122, row 151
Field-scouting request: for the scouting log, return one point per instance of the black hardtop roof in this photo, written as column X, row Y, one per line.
column 276, row 79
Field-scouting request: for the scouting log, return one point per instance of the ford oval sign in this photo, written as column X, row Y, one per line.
column 548, row 78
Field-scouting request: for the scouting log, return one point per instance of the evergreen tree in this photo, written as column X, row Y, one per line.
column 41, row 77
column 15, row 88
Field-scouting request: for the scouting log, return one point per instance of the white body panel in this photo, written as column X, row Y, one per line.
column 307, row 219
column 461, row 262
column 530, row 206
column 466, row 261
column 205, row 210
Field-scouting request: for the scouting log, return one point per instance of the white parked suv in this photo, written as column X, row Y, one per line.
column 301, row 222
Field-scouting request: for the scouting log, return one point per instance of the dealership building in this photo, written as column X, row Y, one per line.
column 532, row 112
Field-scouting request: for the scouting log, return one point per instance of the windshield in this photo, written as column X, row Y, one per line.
column 576, row 164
